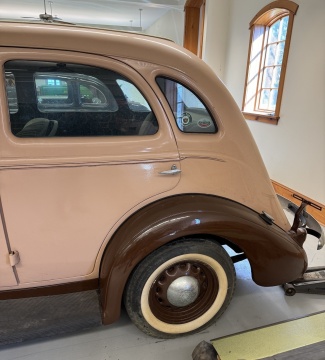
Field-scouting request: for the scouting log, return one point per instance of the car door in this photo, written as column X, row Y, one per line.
column 83, row 143
column 7, row 273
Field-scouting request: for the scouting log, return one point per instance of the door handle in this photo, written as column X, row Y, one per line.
column 173, row 170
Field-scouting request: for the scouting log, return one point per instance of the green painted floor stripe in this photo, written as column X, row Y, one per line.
column 271, row 340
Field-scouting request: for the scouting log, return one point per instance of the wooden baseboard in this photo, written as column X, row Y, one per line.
column 318, row 214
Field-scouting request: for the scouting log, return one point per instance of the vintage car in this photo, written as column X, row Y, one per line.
column 128, row 170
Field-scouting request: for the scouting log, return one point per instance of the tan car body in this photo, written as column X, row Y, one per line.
column 83, row 209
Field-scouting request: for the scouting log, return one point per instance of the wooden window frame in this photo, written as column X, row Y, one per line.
column 263, row 20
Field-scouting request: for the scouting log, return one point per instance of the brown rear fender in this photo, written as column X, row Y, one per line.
column 275, row 258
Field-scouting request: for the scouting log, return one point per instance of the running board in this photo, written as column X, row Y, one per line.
column 33, row 318
column 312, row 282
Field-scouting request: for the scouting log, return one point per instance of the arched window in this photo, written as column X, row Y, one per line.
column 271, row 30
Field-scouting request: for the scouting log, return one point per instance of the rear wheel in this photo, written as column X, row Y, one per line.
column 180, row 288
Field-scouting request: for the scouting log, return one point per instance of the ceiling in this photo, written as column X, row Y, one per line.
column 113, row 13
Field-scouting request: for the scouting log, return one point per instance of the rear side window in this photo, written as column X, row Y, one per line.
column 72, row 92
column 190, row 113
column 49, row 99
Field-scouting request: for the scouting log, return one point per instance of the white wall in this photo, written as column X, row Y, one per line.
column 294, row 150
column 216, row 30
column 170, row 26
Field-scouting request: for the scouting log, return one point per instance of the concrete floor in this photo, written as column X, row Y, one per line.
column 251, row 307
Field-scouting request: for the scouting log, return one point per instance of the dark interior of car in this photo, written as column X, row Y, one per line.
column 29, row 116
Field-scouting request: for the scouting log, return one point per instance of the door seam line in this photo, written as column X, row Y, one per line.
column 4, row 226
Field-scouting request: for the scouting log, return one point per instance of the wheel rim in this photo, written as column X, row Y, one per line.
column 178, row 319
column 183, row 292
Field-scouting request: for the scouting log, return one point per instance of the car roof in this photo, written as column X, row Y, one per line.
column 84, row 26
column 45, row 35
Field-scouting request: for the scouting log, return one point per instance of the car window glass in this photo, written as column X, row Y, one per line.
column 49, row 99
column 72, row 92
column 51, row 92
column 190, row 113
column 135, row 99
column 11, row 92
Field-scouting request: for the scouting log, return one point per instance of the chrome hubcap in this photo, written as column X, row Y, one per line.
column 183, row 291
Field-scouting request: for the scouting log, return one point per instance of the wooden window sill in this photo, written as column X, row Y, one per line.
column 269, row 119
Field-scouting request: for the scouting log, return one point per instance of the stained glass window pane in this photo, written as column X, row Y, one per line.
column 264, row 100
column 279, row 53
column 276, row 77
column 284, row 28
column 267, row 77
column 270, row 54
column 273, row 98
column 274, row 32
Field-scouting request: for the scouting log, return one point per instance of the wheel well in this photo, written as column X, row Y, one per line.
column 218, row 239
column 180, row 217
column 214, row 239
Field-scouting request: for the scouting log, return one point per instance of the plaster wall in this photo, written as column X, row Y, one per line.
column 216, row 29
column 294, row 150
column 170, row 26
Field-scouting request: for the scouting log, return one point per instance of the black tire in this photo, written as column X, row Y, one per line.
column 162, row 307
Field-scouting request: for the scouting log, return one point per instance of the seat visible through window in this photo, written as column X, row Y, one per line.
column 39, row 127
